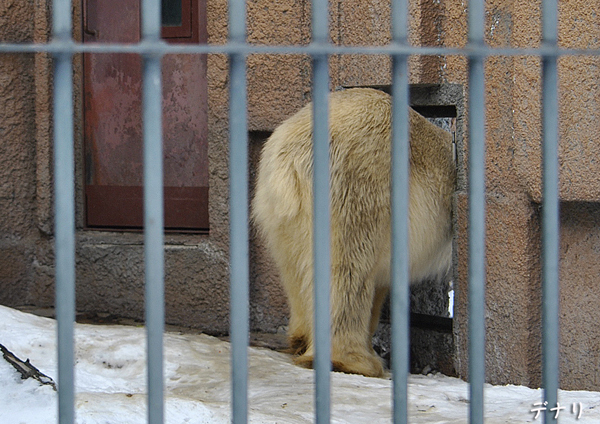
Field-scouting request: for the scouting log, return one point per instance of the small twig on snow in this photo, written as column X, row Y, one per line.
column 26, row 369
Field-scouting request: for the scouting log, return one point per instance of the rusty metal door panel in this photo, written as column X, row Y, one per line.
column 185, row 120
column 184, row 208
column 113, row 123
column 113, row 126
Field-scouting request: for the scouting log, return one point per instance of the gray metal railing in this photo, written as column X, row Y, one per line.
column 550, row 210
column 153, row 209
column 322, row 361
column 476, row 214
column 400, row 272
column 151, row 48
column 238, row 174
column 64, row 192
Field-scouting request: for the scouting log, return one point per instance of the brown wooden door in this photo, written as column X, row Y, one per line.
column 113, row 119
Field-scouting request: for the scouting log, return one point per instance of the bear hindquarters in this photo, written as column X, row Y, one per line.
column 360, row 128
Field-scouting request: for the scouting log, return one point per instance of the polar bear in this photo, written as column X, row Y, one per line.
column 282, row 210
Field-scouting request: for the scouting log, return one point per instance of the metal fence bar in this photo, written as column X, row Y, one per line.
column 550, row 213
column 321, row 238
column 64, row 218
column 153, row 211
column 391, row 49
column 238, row 180
column 476, row 215
column 400, row 272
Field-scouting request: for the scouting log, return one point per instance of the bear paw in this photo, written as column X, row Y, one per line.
column 354, row 363
column 297, row 345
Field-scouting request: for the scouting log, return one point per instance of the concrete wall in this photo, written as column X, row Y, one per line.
column 110, row 264
column 22, row 231
column 513, row 137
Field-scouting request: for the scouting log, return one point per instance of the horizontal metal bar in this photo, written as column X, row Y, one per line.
column 310, row 49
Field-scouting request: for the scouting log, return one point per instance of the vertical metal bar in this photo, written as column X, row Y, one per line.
column 64, row 219
column 238, row 180
column 153, row 211
column 400, row 293
column 550, row 212
column 476, row 214
column 321, row 239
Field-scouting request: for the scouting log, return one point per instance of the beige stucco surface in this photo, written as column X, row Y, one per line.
column 513, row 181
column 17, row 150
column 110, row 264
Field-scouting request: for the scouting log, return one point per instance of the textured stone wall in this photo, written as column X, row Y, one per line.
column 18, row 232
column 513, row 181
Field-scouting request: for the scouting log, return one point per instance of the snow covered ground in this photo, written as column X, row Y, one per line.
column 110, row 384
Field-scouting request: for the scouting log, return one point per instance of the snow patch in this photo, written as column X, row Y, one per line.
column 110, row 383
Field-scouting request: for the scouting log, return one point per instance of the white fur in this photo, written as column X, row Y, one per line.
column 360, row 127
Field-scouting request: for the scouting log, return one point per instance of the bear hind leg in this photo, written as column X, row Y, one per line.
column 352, row 352
column 297, row 284
column 299, row 328
column 351, row 348
column 352, row 316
